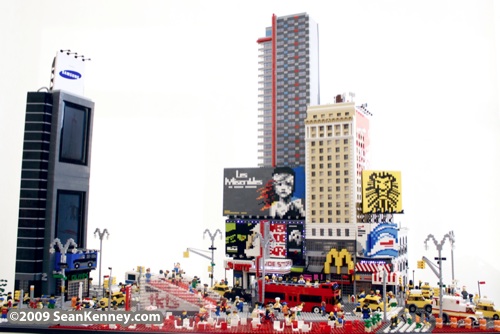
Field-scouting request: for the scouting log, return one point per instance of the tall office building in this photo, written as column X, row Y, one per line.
column 337, row 139
column 288, row 84
column 54, row 189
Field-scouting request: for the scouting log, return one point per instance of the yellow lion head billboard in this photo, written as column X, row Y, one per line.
column 382, row 192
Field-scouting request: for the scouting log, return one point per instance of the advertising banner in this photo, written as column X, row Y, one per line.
column 69, row 72
column 243, row 243
column 382, row 192
column 267, row 193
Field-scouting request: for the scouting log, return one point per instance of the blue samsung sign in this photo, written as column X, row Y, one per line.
column 71, row 75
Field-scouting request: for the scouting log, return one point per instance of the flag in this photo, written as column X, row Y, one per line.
column 481, row 282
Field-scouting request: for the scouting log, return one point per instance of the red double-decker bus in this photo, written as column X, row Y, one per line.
column 294, row 294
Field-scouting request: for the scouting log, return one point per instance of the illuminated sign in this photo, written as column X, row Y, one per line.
column 382, row 192
column 243, row 241
column 278, row 234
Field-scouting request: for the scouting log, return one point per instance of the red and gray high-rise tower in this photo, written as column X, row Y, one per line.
column 288, row 83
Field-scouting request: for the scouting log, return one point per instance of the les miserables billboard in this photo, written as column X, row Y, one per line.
column 267, row 193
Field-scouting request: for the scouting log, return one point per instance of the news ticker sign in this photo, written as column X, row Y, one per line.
column 280, row 266
column 83, row 317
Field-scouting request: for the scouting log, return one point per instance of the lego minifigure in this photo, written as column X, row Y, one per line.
column 285, row 309
column 267, row 314
column 323, row 308
column 5, row 310
column 340, row 315
column 357, row 309
column 184, row 315
column 406, row 316
column 26, row 298
column 217, row 309
column 277, row 305
column 234, row 316
column 223, row 305
column 366, row 311
column 300, row 307
column 255, row 311
column 52, row 302
column 394, row 321
column 239, row 304
column 203, row 314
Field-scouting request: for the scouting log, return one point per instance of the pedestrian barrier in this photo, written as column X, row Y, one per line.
column 482, row 324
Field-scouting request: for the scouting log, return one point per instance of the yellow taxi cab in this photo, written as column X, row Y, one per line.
column 487, row 307
column 416, row 300
column 221, row 289
column 374, row 302
column 118, row 297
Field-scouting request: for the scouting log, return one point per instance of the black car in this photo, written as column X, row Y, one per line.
column 240, row 292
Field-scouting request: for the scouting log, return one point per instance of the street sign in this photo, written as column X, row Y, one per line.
column 59, row 276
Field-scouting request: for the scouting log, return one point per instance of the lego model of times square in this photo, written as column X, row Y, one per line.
column 313, row 248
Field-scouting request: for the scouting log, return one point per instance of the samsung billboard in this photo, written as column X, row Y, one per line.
column 267, row 193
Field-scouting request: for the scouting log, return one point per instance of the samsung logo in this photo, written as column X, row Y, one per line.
column 72, row 75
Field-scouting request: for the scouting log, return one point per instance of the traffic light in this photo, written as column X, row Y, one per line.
column 421, row 264
column 400, row 280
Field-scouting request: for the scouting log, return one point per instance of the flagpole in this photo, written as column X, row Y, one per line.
column 479, row 287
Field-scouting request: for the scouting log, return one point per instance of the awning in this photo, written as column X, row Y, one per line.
column 371, row 267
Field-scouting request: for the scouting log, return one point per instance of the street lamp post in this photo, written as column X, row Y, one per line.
column 212, row 248
column 264, row 241
column 439, row 247
column 452, row 241
column 63, row 250
column 101, row 235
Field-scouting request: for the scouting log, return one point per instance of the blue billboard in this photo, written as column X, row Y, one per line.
column 82, row 260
